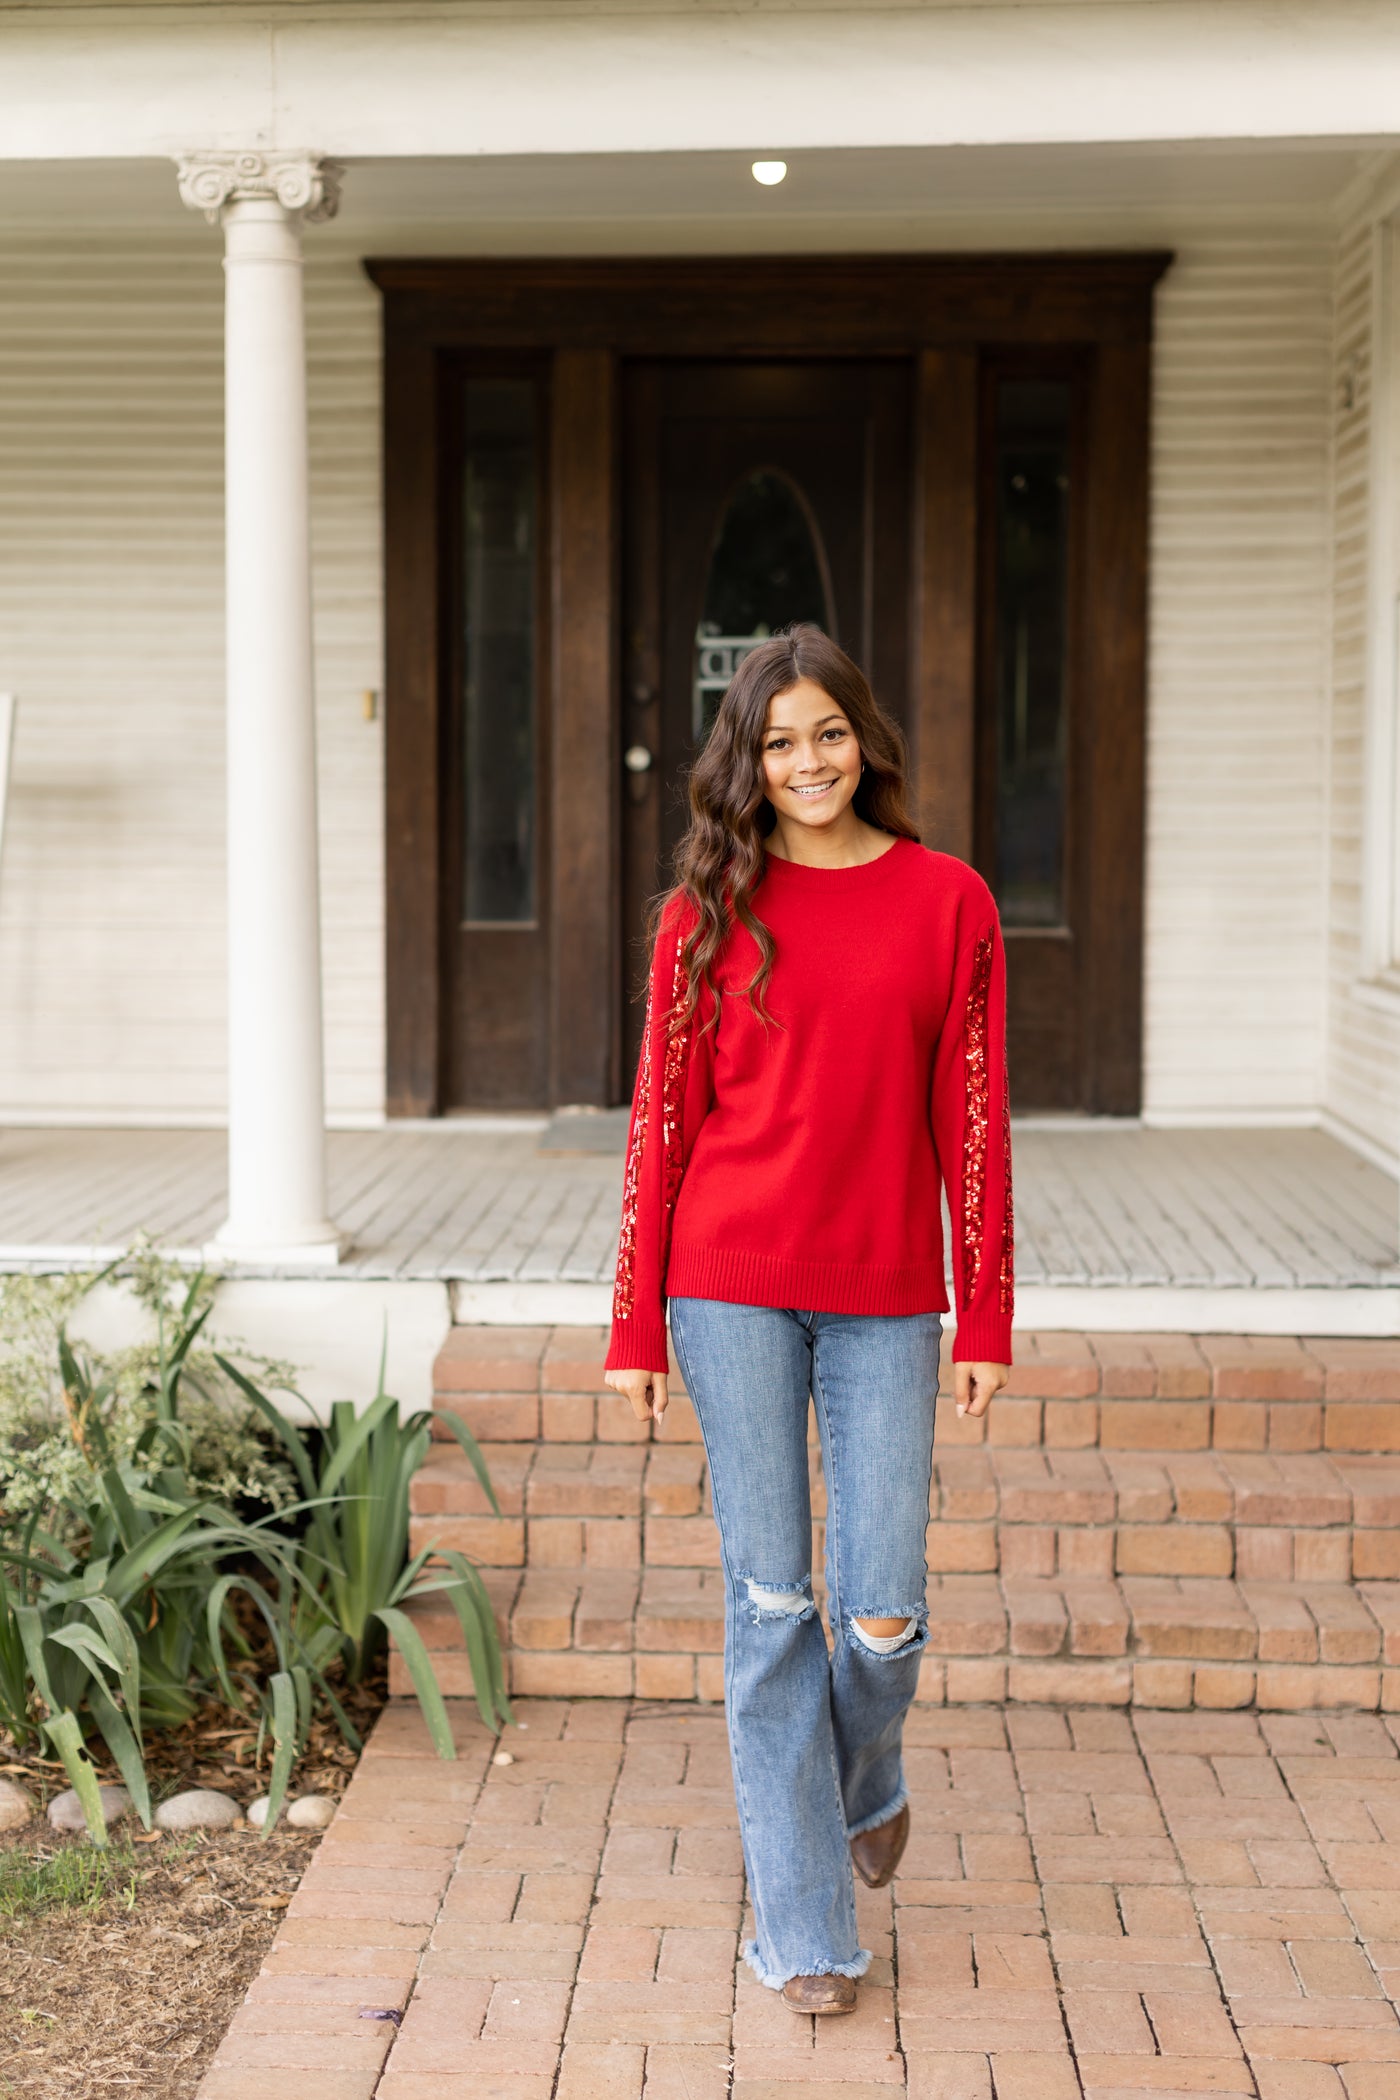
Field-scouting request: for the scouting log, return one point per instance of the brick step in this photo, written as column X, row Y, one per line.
column 1091, row 1514
column 1067, row 1392
column 658, row 1633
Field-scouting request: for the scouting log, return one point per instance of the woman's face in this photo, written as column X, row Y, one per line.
column 811, row 760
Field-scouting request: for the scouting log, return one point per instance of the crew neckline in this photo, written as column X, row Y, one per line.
column 803, row 871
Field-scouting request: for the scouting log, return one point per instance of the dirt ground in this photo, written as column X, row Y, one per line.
column 133, row 1996
column 136, row 2000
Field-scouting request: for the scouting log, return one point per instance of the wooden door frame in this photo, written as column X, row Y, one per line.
column 939, row 311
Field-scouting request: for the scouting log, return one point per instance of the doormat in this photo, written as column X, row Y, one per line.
column 576, row 1132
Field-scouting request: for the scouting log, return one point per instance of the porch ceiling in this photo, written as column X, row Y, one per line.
column 851, row 199
column 455, row 77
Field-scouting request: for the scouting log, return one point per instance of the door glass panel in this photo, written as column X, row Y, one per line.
column 766, row 571
column 1032, row 548
column 499, row 484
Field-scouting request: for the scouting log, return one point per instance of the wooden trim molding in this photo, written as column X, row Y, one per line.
column 412, row 843
column 943, row 701
column 797, row 304
column 586, row 845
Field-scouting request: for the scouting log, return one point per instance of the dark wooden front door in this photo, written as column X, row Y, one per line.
column 603, row 479
column 756, row 494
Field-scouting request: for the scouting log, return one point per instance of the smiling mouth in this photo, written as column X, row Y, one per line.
column 809, row 793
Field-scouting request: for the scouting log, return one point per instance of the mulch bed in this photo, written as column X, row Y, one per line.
column 133, row 1996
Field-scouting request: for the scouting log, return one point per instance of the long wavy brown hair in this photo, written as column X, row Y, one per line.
column 720, row 860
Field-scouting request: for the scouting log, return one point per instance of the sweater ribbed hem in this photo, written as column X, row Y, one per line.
column 637, row 1344
column 984, row 1337
column 737, row 1277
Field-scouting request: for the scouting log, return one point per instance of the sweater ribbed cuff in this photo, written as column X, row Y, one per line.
column 983, row 1337
column 638, row 1344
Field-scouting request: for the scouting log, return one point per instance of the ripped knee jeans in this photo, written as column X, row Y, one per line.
column 815, row 1733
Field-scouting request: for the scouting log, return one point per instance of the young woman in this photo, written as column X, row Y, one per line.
column 824, row 1046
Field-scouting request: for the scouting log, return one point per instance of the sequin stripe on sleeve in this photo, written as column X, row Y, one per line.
column 624, row 1285
column 1007, row 1299
column 673, row 1077
column 974, row 1174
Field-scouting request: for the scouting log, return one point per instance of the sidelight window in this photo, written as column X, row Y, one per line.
column 1030, row 596
column 500, row 562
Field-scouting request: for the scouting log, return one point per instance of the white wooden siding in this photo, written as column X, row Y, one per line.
column 1362, row 1089
column 111, row 909
column 111, row 552
column 1236, row 799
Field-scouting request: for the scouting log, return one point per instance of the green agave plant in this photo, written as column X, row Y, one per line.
column 358, row 1571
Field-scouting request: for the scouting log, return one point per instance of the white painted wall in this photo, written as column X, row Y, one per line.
column 1362, row 1081
column 110, row 631
column 1239, row 618
column 111, row 635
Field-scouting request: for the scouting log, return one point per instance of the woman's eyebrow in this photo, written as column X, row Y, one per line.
column 783, row 729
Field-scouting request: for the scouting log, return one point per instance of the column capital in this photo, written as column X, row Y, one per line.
column 302, row 182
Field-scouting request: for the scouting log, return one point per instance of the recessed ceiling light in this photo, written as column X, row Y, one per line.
column 769, row 172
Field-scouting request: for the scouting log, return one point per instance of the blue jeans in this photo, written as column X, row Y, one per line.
column 815, row 1739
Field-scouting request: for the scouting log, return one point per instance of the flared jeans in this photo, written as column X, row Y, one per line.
column 815, row 1737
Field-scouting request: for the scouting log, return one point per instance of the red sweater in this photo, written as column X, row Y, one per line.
column 799, row 1164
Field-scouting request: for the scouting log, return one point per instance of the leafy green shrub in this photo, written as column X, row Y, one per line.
column 47, row 1455
column 127, row 1583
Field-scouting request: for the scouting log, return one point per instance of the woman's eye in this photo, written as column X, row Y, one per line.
column 834, row 732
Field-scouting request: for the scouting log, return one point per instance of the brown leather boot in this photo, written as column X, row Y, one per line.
column 876, row 1853
column 820, row 1994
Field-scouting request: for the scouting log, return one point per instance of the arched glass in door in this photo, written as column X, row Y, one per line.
column 767, row 570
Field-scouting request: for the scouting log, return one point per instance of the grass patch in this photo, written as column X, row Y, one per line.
column 81, row 1877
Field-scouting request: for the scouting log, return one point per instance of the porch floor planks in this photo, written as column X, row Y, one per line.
column 1175, row 1249
column 1035, row 1179
column 1092, row 1204
column 1337, row 1215
column 476, row 1223
column 1223, row 1208
column 552, row 1253
column 1194, row 1250
column 98, row 1194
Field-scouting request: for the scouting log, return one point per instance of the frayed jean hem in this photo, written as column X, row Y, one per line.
column 775, row 1982
column 885, row 1815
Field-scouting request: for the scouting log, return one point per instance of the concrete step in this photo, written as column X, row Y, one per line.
column 1067, row 1392
column 658, row 1633
column 1037, row 1514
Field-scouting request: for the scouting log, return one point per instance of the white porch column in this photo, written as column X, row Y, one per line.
column 276, row 1109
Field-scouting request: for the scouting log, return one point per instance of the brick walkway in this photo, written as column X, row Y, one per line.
column 1093, row 1901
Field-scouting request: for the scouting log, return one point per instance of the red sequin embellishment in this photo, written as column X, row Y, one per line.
column 673, row 1073
column 974, row 1177
column 1008, row 1229
column 674, row 1065
column 624, row 1282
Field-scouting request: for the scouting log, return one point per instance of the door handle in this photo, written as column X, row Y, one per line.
column 637, row 759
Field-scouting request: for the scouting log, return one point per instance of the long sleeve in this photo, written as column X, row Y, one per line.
column 972, row 1134
column 670, row 1099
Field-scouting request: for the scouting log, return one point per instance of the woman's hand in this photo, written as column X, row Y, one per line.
column 645, row 1389
column 974, row 1385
